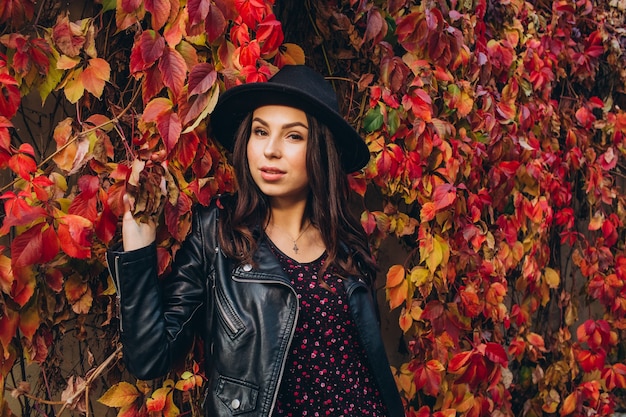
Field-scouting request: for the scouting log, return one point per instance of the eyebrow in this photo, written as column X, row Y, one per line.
column 285, row 126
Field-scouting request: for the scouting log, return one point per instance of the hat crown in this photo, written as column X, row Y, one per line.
column 301, row 77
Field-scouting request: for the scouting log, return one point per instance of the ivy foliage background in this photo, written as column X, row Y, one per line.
column 497, row 132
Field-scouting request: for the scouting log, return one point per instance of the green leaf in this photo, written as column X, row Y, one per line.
column 373, row 120
column 108, row 5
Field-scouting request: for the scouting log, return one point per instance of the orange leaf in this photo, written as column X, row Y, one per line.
column 536, row 340
column 8, row 327
column 569, row 405
column 397, row 295
column 459, row 361
column 97, row 73
column 155, row 108
column 395, row 276
column 289, row 54
column 30, row 320
column 157, row 400
column 428, row 211
column 120, row 395
column 6, row 274
column 23, row 286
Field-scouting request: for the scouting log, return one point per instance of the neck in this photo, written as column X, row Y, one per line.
column 289, row 217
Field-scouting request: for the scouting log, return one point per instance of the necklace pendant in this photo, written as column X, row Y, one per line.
column 295, row 247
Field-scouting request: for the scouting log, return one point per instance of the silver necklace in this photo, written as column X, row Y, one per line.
column 295, row 245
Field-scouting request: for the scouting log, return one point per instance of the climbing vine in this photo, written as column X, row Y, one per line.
column 497, row 135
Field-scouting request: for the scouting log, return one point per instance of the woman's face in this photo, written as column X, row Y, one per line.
column 277, row 150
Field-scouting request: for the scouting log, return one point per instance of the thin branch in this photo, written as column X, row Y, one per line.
column 78, row 136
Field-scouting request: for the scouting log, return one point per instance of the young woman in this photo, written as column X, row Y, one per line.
column 277, row 279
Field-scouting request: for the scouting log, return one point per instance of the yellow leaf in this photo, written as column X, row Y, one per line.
column 74, row 87
column 552, row 278
column 65, row 62
column 405, row 320
column 435, row 257
column 120, row 395
column 420, row 276
column 110, row 290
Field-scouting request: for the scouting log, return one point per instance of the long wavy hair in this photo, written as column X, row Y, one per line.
column 246, row 216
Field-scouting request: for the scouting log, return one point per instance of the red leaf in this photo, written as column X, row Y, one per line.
column 444, row 196
column 18, row 212
column 146, row 51
column 615, row 376
column 68, row 36
column 159, row 10
column 74, row 235
column 269, row 33
column 9, row 96
column 26, row 248
column 106, row 225
column 50, row 245
column 152, row 83
column 496, row 354
column 198, row 10
column 215, row 24
column 428, row 377
column 201, row 79
column 187, row 149
column 251, row 11
column 130, row 6
column 169, row 127
column 54, row 280
column 173, row 69
column 23, row 165
column 249, row 54
column 178, row 218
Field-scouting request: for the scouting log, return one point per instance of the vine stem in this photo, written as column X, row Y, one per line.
column 114, row 121
column 85, row 388
column 90, row 378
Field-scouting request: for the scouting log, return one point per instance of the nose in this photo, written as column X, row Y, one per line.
column 272, row 147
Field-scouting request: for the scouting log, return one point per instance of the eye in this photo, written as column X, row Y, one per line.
column 295, row 136
column 259, row 131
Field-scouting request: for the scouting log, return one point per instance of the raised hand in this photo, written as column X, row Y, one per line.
column 136, row 234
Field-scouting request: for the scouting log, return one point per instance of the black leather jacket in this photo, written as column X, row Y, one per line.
column 246, row 316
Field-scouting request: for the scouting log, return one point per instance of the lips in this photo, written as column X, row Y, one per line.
column 271, row 173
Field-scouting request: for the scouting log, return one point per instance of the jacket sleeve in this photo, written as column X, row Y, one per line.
column 156, row 317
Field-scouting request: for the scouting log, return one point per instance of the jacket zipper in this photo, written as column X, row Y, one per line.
column 291, row 334
column 118, row 296
column 229, row 322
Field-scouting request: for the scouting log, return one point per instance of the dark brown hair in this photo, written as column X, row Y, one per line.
column 327, row 207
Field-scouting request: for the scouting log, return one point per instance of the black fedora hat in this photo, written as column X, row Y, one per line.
column 296, row 86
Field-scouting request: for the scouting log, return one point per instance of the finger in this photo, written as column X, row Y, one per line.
column 128, row 203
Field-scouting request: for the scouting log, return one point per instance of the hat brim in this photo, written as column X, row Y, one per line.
column 234, row 104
